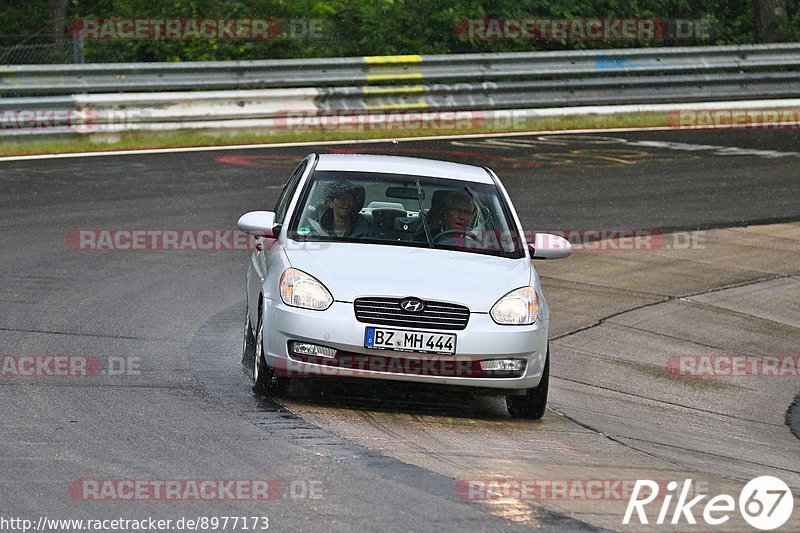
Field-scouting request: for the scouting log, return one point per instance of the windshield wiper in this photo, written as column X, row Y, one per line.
column 486, row 212
column 423, row 214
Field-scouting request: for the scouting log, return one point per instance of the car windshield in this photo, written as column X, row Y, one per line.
column 377, row 208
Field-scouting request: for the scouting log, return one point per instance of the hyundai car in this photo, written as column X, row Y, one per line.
column 402, row 269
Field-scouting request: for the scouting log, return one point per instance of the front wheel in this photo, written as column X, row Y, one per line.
column 248, row 342
column 533, row 404
column 261, row 372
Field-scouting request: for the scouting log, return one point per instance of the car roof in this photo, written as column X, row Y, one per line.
column 413, row 166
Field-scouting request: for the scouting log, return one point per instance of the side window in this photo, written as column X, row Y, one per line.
column 288, row 192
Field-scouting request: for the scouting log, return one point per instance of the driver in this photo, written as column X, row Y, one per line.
column 457, row 214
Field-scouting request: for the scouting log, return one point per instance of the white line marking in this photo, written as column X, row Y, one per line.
column 317, row 143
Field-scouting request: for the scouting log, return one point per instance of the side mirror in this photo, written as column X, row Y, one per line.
column 258, row 223
column 549, row 246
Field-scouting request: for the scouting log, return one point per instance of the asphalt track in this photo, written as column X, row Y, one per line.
column 380, row 455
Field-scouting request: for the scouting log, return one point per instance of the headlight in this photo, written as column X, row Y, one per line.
column 298, row 289
column 519, row 307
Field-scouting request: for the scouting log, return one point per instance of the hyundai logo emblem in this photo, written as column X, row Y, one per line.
column 412, row 305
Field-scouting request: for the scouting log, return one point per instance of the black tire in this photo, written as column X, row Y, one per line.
column 248, row 343
column 534, row 403
column 262, row 374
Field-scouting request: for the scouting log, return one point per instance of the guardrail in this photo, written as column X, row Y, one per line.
column 205, row 92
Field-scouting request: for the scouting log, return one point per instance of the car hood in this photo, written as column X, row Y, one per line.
column 352, row 270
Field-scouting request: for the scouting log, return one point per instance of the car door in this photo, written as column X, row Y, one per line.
column 258, row 271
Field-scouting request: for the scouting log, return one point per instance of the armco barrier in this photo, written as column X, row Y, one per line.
column 164, row 96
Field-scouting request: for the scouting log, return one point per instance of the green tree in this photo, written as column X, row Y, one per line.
column 384, row 27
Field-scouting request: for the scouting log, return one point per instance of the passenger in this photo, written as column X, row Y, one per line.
column 341, row 217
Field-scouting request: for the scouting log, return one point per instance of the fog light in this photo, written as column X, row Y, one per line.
column 311, row 350
column 502, row 365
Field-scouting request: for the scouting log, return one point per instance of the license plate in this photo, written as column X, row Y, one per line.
column 405, row 340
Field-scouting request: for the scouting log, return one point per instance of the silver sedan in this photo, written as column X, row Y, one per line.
column 396, row 268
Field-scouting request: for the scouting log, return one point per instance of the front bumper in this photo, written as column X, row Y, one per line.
column 338, row 328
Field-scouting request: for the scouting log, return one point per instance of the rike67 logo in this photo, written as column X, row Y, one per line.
column 765, row 503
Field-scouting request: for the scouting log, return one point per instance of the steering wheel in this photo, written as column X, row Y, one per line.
column 465, row 233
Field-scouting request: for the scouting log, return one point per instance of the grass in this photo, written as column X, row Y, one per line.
column 185, row 138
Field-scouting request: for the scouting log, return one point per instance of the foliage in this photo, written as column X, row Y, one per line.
column 375, row 27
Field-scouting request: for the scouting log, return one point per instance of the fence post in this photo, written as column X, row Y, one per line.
column 77, row 47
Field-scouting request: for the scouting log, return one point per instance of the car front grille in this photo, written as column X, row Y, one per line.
column 387, row 312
